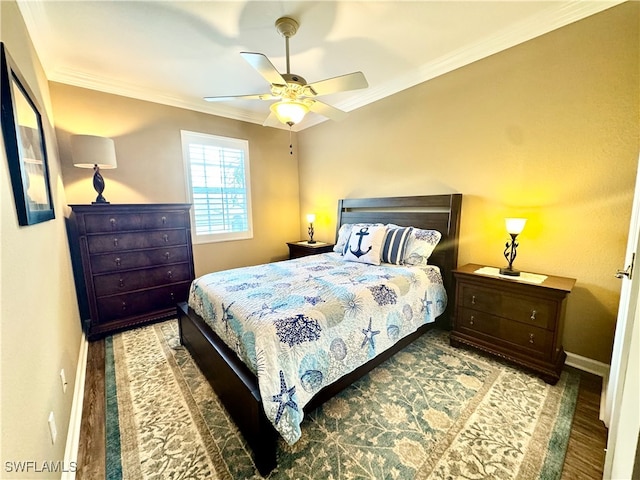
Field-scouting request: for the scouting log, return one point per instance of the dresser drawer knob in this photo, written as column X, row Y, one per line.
column 170, row 274
column 165, row 237
column 473, row 299
column 173, row 297
column 164, row 220
column 115, row 242
column 533, row 314
column 112, row 221
column 531, row 338
column 118, row 261
column 167, row 255
column 472, row 320
column 121, row 282
column 124, row 306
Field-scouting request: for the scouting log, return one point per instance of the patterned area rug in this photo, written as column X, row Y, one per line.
column 431, row 411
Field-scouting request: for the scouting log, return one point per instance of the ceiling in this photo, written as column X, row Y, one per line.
column 176, row 52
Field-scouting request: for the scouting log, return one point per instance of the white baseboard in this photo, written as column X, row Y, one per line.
column 75, row 420
column 587, row 365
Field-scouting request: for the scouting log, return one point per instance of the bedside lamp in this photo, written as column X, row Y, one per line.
column 311, row 217
column 89, row 151
column 514, row 228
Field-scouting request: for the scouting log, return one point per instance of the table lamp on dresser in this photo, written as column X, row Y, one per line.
column 90, row 151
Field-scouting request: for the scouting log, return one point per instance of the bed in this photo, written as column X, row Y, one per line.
column 233, row 367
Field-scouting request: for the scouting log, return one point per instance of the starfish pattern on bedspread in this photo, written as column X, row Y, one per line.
column 368, row 335
column 284, row 398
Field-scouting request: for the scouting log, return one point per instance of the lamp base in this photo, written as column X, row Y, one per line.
column 311, row 241
column 509, row 271
column 98, row 184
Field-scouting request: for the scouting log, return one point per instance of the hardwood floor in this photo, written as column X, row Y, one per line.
column 584, row 459
column 585, row 452
column 92, row 448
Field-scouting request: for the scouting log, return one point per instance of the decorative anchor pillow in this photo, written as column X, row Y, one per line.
column 365, row 243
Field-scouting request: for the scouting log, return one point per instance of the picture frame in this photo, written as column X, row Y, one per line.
column 24, row 142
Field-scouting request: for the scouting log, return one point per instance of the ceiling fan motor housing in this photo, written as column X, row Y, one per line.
column 287, row 26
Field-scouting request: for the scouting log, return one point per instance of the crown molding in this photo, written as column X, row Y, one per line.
column 94, row 82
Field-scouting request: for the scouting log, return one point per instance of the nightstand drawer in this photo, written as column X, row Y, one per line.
column 530, row 310
column 533, row 338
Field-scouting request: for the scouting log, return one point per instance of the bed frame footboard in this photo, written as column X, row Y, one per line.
column 235, row 385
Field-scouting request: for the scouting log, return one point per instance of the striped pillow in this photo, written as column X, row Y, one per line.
column 395, row 244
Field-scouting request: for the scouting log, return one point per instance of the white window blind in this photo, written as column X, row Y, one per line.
column 217, row 173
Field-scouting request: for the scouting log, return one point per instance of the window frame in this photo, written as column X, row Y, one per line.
column 188, row 138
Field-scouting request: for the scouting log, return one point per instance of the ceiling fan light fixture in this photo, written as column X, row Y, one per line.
column 289, row 112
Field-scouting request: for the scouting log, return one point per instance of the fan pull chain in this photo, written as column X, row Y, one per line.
column 290, row 141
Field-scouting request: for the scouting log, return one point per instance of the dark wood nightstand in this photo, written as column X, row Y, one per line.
column 513, row 318
column 304, row 248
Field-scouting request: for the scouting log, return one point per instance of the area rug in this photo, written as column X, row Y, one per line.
column 430, row 412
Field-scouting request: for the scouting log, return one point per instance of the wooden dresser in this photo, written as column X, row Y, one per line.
column 514, row 319
column 132, row 263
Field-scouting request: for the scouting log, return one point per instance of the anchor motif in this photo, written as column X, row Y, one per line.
column 358, row 253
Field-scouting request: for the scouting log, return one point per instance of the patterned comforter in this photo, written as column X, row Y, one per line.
column 302, row 324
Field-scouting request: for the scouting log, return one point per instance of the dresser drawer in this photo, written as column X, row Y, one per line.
column 525, row 309
column 110, row 262
column 142, row 302
column 115, row 222
column 130, row 241
column 111, row 283
column 530, row 337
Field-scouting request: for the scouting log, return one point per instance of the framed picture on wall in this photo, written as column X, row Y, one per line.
column 25, row 146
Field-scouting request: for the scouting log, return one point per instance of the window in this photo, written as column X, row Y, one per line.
column 218, row 187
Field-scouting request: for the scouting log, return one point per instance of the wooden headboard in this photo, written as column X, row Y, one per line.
column 436, row 212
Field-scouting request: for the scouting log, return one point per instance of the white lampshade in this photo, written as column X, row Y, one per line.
column 90, row 150
column 290, row 111
column 515, row 225
column 311, row 217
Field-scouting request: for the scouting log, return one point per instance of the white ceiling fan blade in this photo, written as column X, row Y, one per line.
column 343, row 83
column 328, row 111
column 264, row 67
column 226, row 98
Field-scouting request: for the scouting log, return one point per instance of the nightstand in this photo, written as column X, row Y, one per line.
column 304, row 248
column 520, row 319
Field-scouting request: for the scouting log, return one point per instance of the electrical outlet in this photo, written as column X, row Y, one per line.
column 52, row 427
column 63, row 378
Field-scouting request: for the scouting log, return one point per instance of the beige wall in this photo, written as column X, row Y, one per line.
column 39, row 323
column 547, row 130
column 150, row 168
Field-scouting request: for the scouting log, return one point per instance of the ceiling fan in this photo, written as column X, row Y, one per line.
column 295, row 96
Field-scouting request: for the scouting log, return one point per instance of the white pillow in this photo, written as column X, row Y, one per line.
column 343, row 237
column 420, row 246
column 365, row 243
